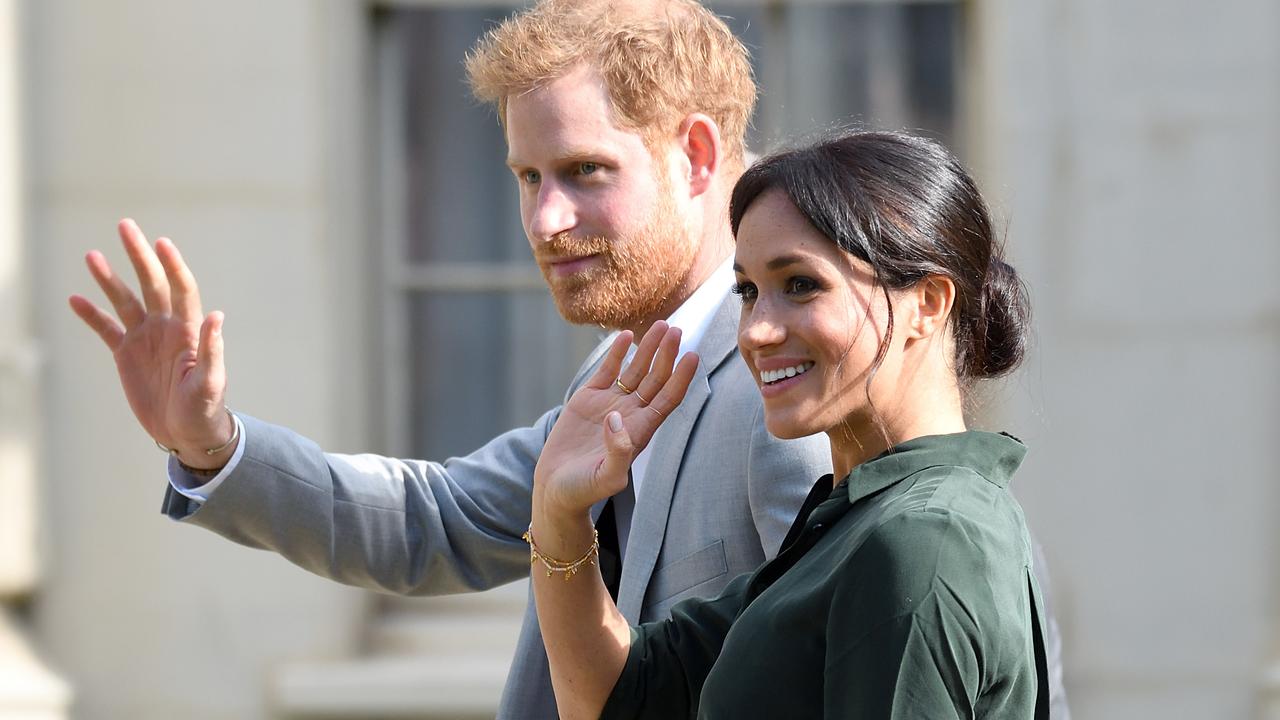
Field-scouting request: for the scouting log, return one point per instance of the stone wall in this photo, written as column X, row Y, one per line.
column 1133, row 151
column 229, row 127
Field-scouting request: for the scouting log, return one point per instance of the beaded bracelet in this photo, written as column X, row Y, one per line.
column 559, row 566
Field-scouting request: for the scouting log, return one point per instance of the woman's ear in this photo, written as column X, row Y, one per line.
column 931, row 301
column 699, row 140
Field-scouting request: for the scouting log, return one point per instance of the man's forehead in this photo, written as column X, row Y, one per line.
column 580, row 90
column 542, row 127
column 552, row 141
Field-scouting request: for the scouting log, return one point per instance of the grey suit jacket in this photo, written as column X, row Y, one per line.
column 419, row 527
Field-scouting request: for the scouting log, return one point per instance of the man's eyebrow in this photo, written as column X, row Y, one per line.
column 571, row 156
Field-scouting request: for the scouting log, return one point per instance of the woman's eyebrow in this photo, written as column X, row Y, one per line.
column 782, row 261
column 777, row 263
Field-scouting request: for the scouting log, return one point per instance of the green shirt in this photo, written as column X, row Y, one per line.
column 905, row 592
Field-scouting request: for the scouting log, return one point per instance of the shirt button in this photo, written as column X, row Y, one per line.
column 818, row 527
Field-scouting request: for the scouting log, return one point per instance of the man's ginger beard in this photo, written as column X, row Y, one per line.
column 638, row 274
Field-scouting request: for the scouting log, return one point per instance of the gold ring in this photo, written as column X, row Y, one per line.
column 643, row 400
column 655, row 411
column 625, row 390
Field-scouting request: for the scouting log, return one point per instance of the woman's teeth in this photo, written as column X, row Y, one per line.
column 772, row 376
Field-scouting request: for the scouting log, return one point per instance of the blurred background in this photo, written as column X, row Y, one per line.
column 343, row 199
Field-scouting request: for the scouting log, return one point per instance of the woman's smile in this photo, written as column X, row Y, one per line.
column 774, row 382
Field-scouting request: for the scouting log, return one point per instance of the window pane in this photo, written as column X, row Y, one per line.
column 461, row 200
column 878, row 65
column 482, row 363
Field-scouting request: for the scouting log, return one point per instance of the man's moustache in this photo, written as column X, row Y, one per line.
column 565, row 246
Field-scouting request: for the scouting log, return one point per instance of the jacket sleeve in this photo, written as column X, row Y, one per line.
column 400, row 526
column 931, row 621
column 1058, row 707
column 669, row 659
column 903, row 642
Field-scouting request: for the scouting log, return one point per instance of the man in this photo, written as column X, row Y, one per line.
column 625, row 131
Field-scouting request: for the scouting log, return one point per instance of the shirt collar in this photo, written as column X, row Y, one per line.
column 694, row 315
column 994, row 456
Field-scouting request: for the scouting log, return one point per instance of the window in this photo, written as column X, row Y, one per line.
column 475, row 345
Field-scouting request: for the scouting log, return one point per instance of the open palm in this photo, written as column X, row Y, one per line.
column 611, row 418
column 167, row 353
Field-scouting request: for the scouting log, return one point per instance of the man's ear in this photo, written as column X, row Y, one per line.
column 931, row 301
column 699, row 140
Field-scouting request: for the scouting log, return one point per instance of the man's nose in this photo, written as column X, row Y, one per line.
column 553, row 213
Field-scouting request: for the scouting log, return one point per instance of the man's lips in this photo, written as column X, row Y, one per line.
column 569, row 265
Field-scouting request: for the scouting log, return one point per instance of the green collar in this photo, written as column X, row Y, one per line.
column 994, row 456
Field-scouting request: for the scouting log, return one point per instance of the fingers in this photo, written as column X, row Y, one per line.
column 151, row 276
column 649, row 379
column 612, row 363
column 660, row 368
column 611, row 473
column 126, row 304
column 639, row 366
column 184, row 295
column 107, row 327
column 673, row 390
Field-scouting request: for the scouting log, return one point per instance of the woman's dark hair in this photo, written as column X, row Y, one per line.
column 905, row 206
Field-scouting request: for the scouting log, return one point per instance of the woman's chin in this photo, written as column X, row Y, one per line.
column 786, row 428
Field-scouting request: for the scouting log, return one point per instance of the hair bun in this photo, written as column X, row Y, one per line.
column 1000, row 338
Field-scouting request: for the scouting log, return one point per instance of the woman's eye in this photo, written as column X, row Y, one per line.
column 744, row 290
column 532, row 176
column 801, row 285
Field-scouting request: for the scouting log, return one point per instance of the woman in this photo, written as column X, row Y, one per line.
column 873, row 295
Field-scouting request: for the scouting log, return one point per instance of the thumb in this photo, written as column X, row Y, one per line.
column 611, row 475
column 209, row 357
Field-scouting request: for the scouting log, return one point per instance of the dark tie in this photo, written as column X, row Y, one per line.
column 613, row 526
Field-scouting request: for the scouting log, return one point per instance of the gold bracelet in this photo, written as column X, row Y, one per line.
column 559, row 566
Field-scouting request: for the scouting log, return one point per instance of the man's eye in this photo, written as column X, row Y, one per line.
column 531, row 176
column 587, row 168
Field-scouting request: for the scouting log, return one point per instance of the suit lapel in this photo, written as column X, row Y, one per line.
column 649, row 521
column 589, row 365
